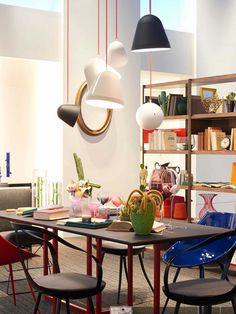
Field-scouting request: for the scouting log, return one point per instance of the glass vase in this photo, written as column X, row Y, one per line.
column 207, row 206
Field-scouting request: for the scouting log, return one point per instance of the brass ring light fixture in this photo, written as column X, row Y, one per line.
column 81, row 121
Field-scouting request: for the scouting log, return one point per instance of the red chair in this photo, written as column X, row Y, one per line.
column 10, row 255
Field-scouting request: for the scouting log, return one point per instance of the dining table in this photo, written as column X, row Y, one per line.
column 180, row 231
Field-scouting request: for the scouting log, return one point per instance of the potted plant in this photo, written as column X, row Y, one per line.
column 163, row 102
column 230, row 102
column 142, row 207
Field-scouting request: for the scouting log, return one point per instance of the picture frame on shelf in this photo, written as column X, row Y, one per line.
column 206, row 92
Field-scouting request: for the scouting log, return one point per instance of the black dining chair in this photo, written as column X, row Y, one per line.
column 202, row 291
column 60, row 285
column 121, row 250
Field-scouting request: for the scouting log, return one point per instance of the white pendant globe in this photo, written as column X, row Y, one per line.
column 94, row 67
column 149, row 116
column 117, row 56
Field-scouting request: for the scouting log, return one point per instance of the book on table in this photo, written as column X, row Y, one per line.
column 78, row 222
column 126, row 226
column 51, row 214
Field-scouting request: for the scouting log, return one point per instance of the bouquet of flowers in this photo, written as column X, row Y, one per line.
column 83, row 187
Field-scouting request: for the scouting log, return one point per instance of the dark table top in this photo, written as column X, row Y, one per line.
column 184, row 231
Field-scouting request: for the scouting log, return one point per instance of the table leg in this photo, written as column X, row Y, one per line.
column 55, row 245
column 99, row 296
column 89, row 262
column 157, row 270
column 45, row 258
column 130, row 275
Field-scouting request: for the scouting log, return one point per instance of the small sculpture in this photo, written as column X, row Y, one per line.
column 143, row 177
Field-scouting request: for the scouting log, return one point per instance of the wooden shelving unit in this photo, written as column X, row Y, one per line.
column 195, row 123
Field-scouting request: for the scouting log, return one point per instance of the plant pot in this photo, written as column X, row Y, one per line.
column 230, row 106
column 143, row 222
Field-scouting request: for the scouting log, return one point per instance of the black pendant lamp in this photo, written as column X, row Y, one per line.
column 68, row 114
column 150, row 35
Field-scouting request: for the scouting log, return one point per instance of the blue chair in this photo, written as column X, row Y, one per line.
column 202, row 291
column 216, row 219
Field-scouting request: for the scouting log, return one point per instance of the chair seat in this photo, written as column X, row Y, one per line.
column 201, row 291
column 24, row 238
column 114, row 248
column 68, row 285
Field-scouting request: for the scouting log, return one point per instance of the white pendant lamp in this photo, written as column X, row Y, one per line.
column 117, row 56
column 149, row 116
column 106, row 91
column 93, row 68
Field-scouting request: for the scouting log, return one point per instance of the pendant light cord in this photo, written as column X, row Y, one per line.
column 150, row 57
column 98, row 27
column 106, row 29
column 116, row 19
column 67, row 50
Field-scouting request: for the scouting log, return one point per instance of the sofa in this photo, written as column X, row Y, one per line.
column 13, row 197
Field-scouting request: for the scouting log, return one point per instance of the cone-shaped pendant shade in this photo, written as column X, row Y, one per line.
column 106, row 92
column 150, row 35
column 68, row 114
column 94, row 67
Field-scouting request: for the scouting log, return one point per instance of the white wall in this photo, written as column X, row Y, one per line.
column 30, row 92
column 179, row 59
column 215, row 55
column 29, row 127
column 28, row 33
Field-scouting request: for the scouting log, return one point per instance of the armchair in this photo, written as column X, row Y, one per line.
column 202, row 291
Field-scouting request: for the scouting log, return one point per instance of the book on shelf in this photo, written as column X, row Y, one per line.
column 168, row 140
column 173, row 99
column 200, row 144
column 51, row 214
column 234, row 137
column 207, row 137
column 231, row 139
column 216, row 138
column 196, row 105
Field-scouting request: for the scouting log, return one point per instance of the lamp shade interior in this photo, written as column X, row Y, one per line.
column 68, row 114
column 106, row 92
column 150, row 35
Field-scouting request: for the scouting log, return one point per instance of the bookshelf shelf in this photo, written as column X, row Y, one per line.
column 213, row 152
column 218, row 190
column 155, row 151
column 196, row 122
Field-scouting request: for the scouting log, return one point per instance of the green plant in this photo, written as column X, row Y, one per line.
column 163, row 101
column 231, row 96
column 142, row 207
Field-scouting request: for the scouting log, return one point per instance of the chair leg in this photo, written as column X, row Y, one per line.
column 233, row 301
column 58, row 306
column 174, row 280
column 144, row 272
column 126, row 269
column 177, row 308
column 12, row 284
column 37, row 303
column 67, row 306
column 92, row 309
column 120, row 279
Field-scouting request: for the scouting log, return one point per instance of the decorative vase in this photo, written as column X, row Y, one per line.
column 207, row 206
column 142, row 222
column 230, row 106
